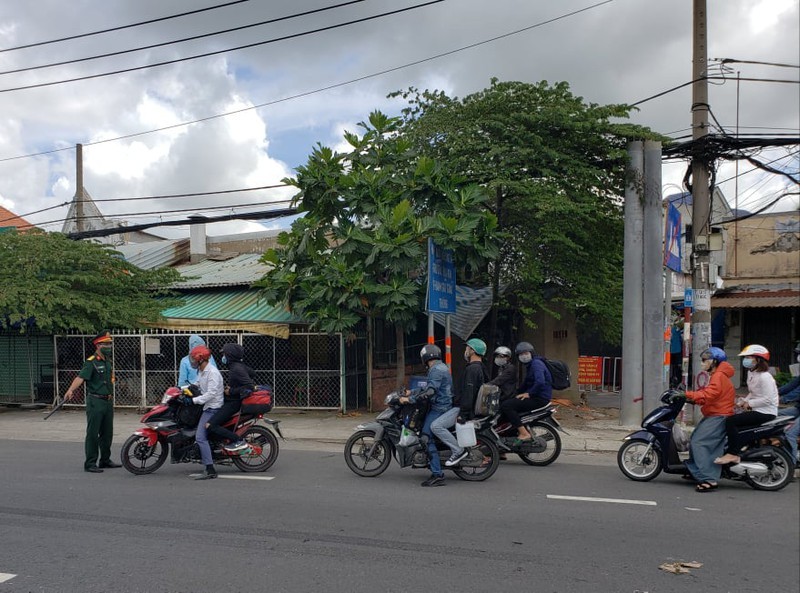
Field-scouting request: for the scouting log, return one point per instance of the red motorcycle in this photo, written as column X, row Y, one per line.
column 171, row 427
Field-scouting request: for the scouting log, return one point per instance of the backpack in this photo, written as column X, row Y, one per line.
column 559, row 371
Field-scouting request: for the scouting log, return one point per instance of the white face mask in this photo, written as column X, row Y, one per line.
column 525, row 358
column 501, row 361
column 748, row 362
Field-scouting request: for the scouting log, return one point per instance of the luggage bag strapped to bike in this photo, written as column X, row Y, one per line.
column 559, row 371
column 258, row 402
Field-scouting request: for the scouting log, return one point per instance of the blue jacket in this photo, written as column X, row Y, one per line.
column 790, row 392
column 442, row 382
column 186, row 374
column 538, row 381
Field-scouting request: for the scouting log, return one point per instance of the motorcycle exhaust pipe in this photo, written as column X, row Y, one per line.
column 749, row 467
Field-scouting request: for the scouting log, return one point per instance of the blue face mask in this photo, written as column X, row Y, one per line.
column 224, row 360
column 748, row 362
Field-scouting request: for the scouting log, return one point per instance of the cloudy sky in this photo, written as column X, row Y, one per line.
column 618, row 51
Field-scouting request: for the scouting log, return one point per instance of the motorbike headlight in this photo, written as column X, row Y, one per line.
column 389, row 399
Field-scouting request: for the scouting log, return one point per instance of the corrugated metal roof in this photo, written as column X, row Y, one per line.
column 229, row 305
column 241, row 270
column 472, row 305
column 157, row 254
column 747, row 300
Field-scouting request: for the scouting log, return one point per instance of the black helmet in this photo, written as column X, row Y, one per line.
column 524, row 347
column 430, row 352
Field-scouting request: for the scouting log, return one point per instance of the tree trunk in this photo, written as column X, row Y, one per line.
column 400, row 344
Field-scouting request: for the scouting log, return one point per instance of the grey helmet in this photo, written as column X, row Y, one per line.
column 430, row 352
column 502, row 351
column 524, row 347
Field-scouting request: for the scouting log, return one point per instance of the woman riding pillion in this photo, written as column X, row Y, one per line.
column 440, row 391
column 716, row 401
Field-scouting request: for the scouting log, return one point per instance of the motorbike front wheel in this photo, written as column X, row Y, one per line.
column 357, row 458
column 486, row 461
column 139, row 458
column 780, row 472
column 250, row 461
column 639, row 460
column 547, row 436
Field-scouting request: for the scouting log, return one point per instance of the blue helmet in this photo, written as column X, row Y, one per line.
column 716, row 354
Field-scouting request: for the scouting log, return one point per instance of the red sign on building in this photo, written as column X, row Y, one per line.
column 590, row 370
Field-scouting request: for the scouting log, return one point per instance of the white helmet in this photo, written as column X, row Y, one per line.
column 755, row 350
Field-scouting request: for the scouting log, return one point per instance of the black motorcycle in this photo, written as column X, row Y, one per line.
column 766, row 463
column 396, row 432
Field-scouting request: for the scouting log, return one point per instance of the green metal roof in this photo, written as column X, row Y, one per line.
column 229, row 305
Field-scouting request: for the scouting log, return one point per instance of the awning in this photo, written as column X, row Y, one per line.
column 472, row 305
column 747, row 300
column 276, row 330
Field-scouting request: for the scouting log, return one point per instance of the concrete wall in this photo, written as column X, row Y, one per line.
column 764, row 247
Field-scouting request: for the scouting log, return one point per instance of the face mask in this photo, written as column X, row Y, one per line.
column 748, row 362
column 106, row 351
column 525, row 358
column 224, row 360
column 500, row 361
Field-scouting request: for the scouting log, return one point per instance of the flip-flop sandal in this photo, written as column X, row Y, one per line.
column 706, row 487
column 518, row 442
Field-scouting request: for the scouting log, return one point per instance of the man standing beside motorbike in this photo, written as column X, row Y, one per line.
column 209, row 380
column 472, row 378
column 535, row 392
column 716, row 401
column 440, row 390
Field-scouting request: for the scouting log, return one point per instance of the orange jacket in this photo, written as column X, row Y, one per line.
column 716, row 399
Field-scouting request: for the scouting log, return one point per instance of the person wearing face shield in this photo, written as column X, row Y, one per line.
column 716, row 403
column 758, row 406
column 98, row 376
column 186, row 373
column 535, row 392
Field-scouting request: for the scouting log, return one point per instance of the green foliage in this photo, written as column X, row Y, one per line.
column 361, row 248
column 556, row 166
column 75, row 285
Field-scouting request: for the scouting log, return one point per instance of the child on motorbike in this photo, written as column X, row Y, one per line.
column 440, row 390
column 716, row 401
column 759, row 405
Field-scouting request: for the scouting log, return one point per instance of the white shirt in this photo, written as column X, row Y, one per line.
column 763, row 393
column 212, row 388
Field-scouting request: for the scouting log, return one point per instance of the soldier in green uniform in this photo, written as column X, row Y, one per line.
column 99, row 379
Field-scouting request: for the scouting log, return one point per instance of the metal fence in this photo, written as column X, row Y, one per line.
column 307, row 370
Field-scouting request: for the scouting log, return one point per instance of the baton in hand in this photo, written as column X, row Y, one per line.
column 56, row 408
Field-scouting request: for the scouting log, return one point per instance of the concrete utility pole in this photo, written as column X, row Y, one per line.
column 701, row 201
column 80, row 216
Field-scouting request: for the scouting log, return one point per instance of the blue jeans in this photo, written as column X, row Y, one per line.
column 793, row 430
column 202, row 436
column 440, row 427
column 433, row 453
column 708, row 441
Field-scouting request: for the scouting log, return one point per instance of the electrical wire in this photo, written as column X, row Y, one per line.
column 176, row 41
column 315, row 91
column 122, row 27
column 224, row 51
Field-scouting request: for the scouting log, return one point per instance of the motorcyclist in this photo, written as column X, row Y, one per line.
column 240, row 384
column 472, row 378
column 758, row 406
column 535, row 392
column 209, row 381
column 506, row 379
column 440, row 390
column 716, row 401
column 186, row 374
column 790, row 392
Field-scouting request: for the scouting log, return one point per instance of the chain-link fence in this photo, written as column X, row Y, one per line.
column 306, row 370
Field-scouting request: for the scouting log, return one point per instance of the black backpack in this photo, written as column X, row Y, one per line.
column 559, row 371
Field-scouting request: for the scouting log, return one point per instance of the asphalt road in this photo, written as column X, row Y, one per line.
column 315, row 526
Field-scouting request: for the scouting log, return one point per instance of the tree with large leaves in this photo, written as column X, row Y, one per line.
column 360, row 249
column 555, row 166
column 54, row 284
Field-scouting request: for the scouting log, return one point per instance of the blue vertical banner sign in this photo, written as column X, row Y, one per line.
column 672, row 239
column 441, row 279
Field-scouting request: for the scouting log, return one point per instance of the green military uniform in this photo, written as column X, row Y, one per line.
column 98, row 386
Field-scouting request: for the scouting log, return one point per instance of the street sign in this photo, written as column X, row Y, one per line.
column 688, row 298
column 441, row 279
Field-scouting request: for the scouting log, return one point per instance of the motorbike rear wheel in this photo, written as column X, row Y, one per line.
column 251, row 462
column 491, row 461
column 355, row 454
column 139, row 458
column 639, row 460
column 552, row 440
column 779, row 475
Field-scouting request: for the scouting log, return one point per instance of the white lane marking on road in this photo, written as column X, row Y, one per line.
column 4, row 576
column 247, row 477
column 650, row 503
column 692, row 509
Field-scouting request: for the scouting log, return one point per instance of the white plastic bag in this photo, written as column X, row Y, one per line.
column 407, row 437
column 680, row 436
